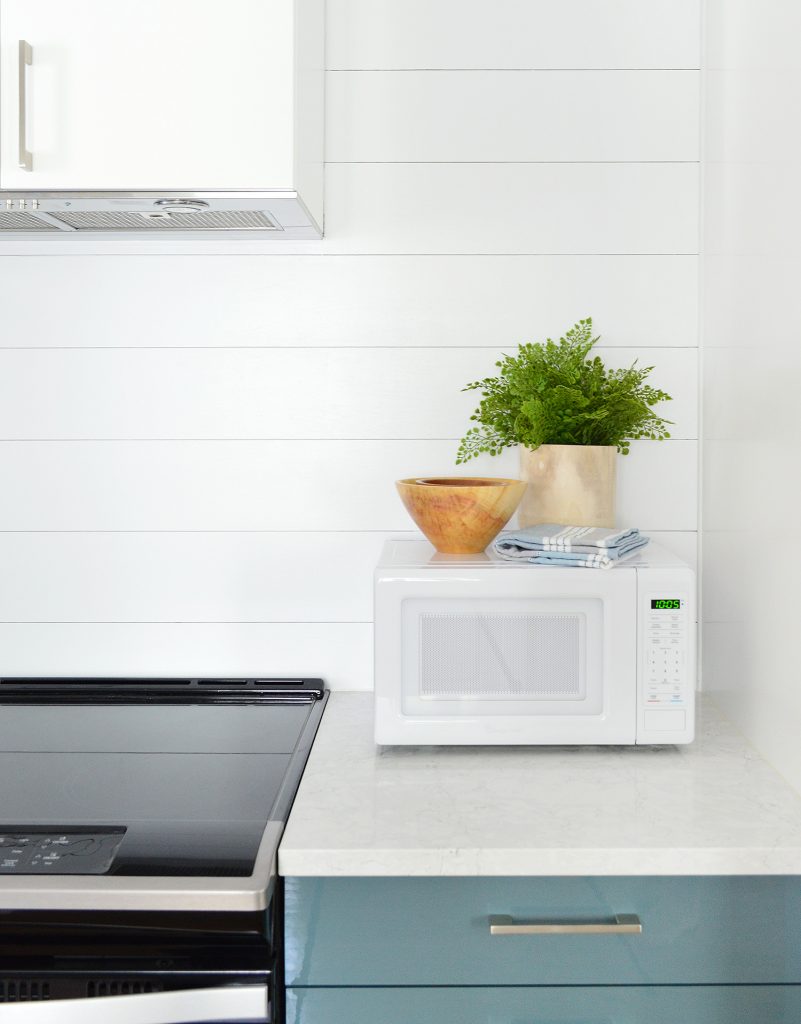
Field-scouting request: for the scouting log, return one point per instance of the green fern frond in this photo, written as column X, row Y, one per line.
column 557, row 393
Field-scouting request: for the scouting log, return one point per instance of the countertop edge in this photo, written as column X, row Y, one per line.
column 567, row 863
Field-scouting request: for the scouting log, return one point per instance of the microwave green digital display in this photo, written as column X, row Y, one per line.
column 666, row 603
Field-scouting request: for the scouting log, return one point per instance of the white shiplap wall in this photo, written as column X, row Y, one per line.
column 752, row 366
column 199, row 440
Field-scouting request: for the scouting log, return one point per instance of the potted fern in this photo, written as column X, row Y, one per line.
column 570, row 416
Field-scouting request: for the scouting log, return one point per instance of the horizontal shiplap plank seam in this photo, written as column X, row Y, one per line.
column 245, row 532
column 269, row 348
column 243, row 485
column 201, row 247
column 255, row 532
column 209, row 578
column 255, row 440
column 545, row 208
column 240, row 532
column 505, row 163
column 356, row 395
column 687, row 69
column 369, row 302
column 475, row 117
column 125, row 245
column 342, row 654
column 411, row 34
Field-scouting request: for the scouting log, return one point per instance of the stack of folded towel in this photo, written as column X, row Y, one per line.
column 593, row 547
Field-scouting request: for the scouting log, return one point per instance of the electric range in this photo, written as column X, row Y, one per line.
column 139, row 828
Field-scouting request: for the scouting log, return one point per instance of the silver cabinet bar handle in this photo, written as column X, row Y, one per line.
column 623, row 924
column 25, row 60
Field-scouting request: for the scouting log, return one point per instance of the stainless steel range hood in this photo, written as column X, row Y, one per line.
column 277, row 214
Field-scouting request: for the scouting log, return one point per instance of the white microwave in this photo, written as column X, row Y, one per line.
column 477, row 650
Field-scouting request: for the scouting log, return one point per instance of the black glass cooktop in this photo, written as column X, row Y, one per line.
column 153, row 789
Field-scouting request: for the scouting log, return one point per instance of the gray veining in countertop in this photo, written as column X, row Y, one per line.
column 713, row 807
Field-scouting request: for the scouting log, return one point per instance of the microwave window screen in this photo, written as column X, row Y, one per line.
column 537, row 657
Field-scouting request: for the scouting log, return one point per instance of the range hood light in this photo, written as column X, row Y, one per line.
column 182, row 205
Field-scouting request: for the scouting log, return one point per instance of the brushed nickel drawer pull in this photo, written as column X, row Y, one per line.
column 623, row 924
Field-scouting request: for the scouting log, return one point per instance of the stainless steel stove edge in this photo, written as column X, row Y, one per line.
column 118, row 892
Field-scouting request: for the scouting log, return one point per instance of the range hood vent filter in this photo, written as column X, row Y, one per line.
column 206, row 220
column 13, row 221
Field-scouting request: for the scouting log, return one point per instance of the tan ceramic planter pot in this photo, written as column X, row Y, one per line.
column 571, row 484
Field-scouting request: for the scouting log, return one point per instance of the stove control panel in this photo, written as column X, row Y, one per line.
column 40, row 851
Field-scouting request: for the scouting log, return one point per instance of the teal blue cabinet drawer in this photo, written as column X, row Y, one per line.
column 436, row 931
column 713, row 1004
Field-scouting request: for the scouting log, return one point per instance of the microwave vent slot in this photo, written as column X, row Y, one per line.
column 534, row 657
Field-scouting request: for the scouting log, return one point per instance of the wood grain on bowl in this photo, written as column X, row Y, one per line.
column 461, row 515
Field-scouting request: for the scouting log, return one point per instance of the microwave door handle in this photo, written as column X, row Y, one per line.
column 238, row 1003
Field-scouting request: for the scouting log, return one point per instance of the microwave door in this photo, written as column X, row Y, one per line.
column 494, row 654
column 239, row 1004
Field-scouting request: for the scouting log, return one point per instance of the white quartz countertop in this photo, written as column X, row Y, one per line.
column 714, row 807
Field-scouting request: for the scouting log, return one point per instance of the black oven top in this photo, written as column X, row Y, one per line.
column 163, row 787
column 130, row 690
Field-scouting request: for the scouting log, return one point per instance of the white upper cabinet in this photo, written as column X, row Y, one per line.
column 133, row 95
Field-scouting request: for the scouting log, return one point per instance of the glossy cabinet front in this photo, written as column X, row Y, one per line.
column 147, row 95
column 711, row 1004
column 370, row 949
column 435, row 931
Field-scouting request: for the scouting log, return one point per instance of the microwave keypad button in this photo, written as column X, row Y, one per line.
column 665, row 659
column 665, row 639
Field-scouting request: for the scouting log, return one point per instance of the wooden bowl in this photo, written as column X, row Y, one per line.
column 461, row 515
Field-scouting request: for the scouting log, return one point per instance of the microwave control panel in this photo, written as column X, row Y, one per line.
column 666, row 651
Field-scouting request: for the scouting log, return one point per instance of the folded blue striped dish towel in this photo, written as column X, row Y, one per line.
column 593, row 547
